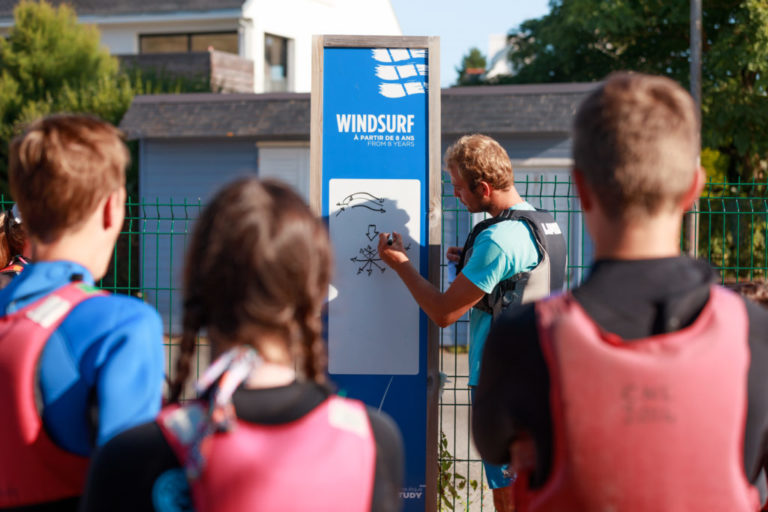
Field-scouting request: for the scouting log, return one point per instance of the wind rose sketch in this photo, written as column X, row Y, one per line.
column 368, row 256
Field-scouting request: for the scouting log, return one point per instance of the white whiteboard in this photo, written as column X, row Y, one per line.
column 373, row 322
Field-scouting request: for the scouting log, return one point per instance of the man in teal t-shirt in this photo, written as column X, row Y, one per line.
column 500, row 251
column 482, row 179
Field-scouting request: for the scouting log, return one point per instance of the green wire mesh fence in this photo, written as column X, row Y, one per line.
column 731, row 227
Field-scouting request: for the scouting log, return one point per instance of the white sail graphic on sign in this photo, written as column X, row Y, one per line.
column 403, row 71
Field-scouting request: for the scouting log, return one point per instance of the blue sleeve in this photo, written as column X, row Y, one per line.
column 129, row 375
column 108, row 351
column 488, row 265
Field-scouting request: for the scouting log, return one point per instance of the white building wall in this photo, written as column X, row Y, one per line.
column 296, row 20
column 299, row 20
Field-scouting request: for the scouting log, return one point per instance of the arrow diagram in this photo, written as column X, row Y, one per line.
column 372, row 233
column 361, row 200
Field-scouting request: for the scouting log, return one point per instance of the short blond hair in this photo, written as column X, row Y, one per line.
column 60, row 168
column 480, row 158
column 636, row 142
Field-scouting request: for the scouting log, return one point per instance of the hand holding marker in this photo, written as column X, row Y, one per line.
column 391, row 249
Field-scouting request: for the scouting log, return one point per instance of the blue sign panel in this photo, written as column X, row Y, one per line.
column 375, row 179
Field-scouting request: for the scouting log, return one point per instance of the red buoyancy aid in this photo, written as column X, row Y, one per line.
column 324, row 461
column 651, row 424
column 15, row 266
column 33, row 470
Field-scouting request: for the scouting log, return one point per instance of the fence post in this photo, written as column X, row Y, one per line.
column 691, row 219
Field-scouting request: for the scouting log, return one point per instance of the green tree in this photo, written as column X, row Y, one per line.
column 472, row 67
column 51, row 63
column 584, row 40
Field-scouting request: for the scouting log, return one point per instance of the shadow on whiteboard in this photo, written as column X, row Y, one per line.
column 373, row 322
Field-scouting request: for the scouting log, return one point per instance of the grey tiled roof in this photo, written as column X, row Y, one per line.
column 113, row 7
column 278, row 116
column 535, row 108
column 547, row 108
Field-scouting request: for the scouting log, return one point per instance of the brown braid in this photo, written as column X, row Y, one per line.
column 309, row 319
column 193, row 318
column 316, row 360
column 258, row 266
column 192, row 322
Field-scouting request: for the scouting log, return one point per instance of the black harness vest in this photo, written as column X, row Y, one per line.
column 548, row 275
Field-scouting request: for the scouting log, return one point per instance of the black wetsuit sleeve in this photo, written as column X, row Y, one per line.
column 756, row 428
column 512, row 395
column 123, row 471
column 389, row 463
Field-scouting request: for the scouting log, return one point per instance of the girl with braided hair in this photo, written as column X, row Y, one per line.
column 266, row 433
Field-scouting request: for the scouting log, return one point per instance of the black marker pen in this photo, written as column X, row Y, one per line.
column 391, row 239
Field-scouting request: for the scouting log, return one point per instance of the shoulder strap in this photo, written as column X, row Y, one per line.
column 479, row 228
column 38, row 320
column 49, row 311
column 548, row 275
column 349, row 415
column 186, row 428
column 552, row 248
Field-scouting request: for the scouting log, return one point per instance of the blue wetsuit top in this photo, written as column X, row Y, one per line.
column 107, row 352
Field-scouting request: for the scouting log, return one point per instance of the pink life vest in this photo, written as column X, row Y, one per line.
column 34, row 469
column 651, row 424
column 324, row 461
column 15, row 266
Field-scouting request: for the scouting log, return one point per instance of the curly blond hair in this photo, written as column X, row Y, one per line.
column 479, row 158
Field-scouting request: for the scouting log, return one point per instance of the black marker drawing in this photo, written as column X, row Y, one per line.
column 361, row 200
column 372, row 232
column 369, row 260
column 370, row 256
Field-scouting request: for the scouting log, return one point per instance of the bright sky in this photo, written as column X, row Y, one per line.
column 462, row 24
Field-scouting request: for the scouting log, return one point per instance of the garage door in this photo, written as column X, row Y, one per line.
column 177, row 178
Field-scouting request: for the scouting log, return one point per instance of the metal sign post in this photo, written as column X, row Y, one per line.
column 375, row 167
